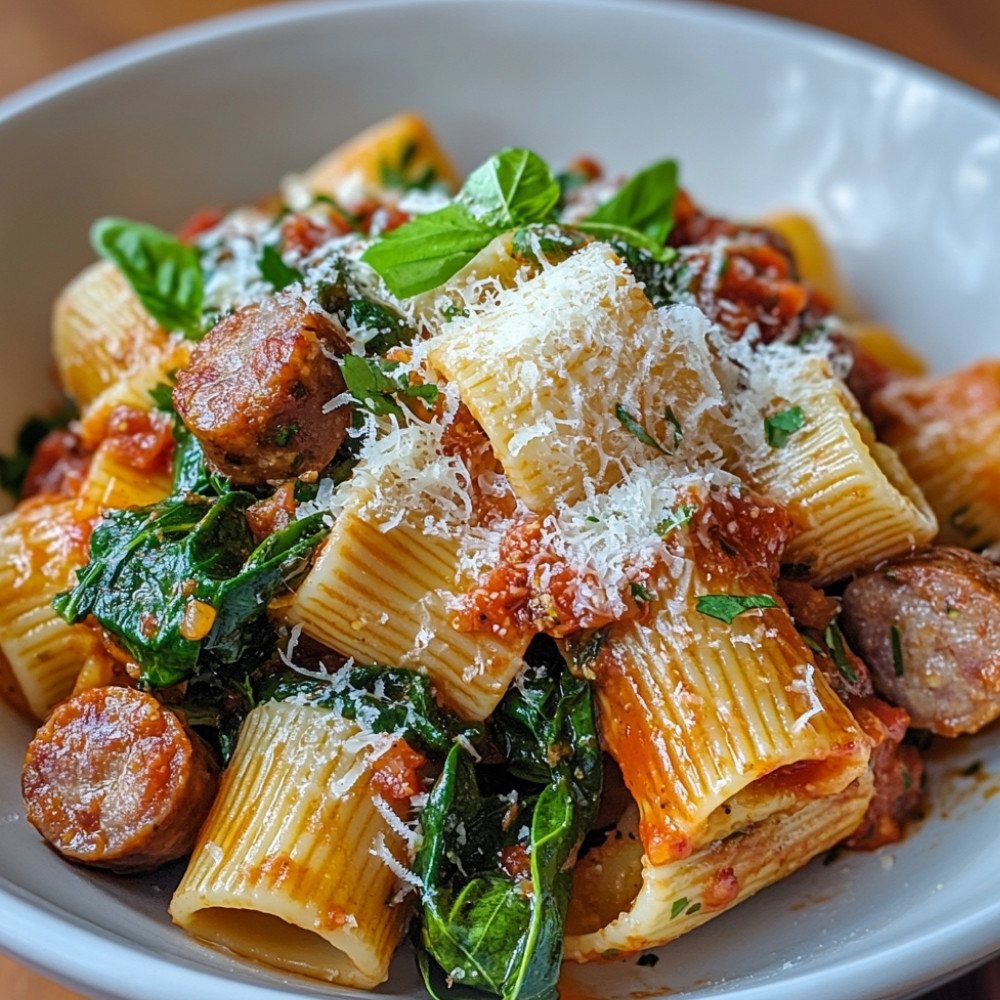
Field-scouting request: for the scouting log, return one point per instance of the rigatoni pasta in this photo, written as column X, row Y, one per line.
column 429, row 508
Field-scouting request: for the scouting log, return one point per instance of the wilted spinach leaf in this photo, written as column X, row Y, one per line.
column 481, row 927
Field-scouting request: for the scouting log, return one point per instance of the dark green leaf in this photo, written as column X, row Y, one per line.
column 644, row 205
column 147, row 565
column 14, row 468
column 479, row 926
column 632, row 425
column 276, row 271
column 384, row 700
column 780, row 426
column 387, row 327
column 726, row 607
column 164, row 273
column 835, row 642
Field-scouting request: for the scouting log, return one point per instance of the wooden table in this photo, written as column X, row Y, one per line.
column 958, row 37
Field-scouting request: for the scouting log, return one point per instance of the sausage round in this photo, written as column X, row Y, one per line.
column 256, row 392
column 114, row 779
column 928, row 627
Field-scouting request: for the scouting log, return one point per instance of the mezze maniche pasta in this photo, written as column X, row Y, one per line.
column 470, row 556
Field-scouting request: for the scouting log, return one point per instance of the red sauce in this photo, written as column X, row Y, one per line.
column 303, row 233
column 202, row 220
column 753, row 281
column 59, row 465
column 397, row 777
column 721, row 891
column 144, row 441
column 532, row 589
column 516, row 861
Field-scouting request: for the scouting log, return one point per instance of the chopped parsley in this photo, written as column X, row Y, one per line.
column 677, row 518
column 838, row 651
column 375, row 387
column 274, row 270
column 780, row 426
column 632, row 425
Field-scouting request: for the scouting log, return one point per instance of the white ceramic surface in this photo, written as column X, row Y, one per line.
column 901, row 168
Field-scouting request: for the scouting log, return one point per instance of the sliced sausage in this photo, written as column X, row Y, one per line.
column 114, row 779
column 928, row 626
column 257, row 390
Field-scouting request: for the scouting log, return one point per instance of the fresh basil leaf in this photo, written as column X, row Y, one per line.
column 165, row 273
column 780, row 426
column 274, row 270
column 727, row 607
column 428, row 250
column 513, row 188
column 644, row 205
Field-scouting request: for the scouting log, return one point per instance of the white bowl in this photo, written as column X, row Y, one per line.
column 901, row 168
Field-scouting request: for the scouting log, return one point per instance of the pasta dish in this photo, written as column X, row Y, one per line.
column 536, row 562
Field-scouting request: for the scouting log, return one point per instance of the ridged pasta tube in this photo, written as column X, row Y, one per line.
column 296, row 866
column 42, row 544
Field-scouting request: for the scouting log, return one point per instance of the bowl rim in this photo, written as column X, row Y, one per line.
column 97, row 960
column 251, row 19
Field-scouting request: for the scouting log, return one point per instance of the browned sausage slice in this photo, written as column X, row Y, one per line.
column 928, row 626
column 114, row 779
column 256, row 392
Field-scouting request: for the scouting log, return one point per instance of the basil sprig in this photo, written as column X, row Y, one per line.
column 164, row 273
column 515, row 188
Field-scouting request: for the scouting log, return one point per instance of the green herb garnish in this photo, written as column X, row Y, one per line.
column 838, row 651
column 677, row 518
column 727, row 607
column 780, row 426
column 274, row 270
column 375, row 388
column 165, row 273
column 632, row 425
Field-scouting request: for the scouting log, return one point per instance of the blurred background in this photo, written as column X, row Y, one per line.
column 956, row 37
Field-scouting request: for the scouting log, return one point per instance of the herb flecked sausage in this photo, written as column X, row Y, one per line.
column 257, row 390
column 928, row 627
column 114, row 779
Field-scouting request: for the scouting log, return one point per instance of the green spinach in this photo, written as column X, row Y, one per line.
column 483, row 927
